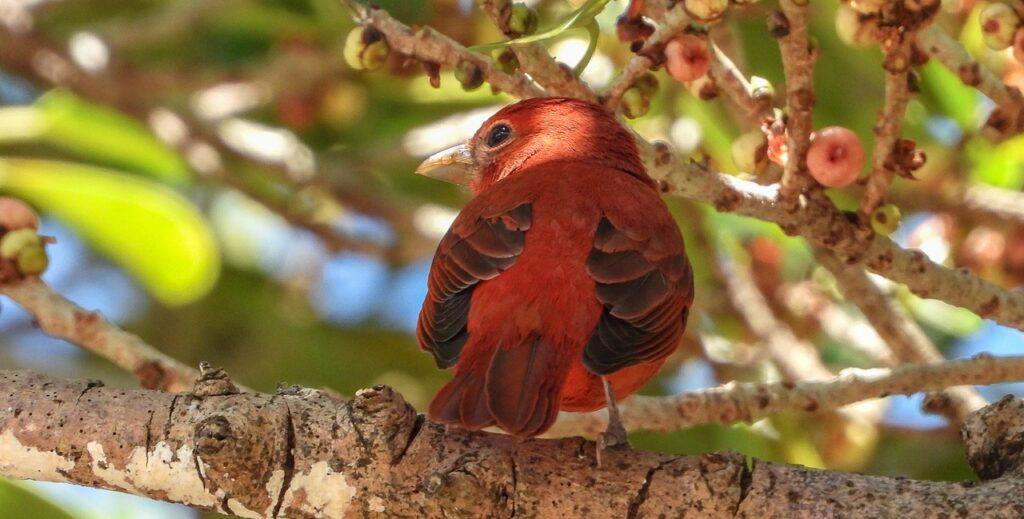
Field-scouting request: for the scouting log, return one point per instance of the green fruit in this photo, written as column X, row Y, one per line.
column 635, row 103
column 14, row 242
column 33, row 260
column 998, row 24
column 506, row 60
column 647, row 83
column 469, row 75
column 761, row 88
column 366, row 49
column 26, row 248
column 750, row 152
column 523, row 20
column 885, row 219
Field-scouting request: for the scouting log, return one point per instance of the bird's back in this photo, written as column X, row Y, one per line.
column 529, row 327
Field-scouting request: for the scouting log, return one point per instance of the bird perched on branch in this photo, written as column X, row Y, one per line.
column 563, row 283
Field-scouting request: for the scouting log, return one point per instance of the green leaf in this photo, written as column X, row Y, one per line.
column 582, row 17
column 150, row 230
column 18, row 501
column 93, row 132
column 1000, row 165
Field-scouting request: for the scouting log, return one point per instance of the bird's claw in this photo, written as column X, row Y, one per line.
column 612, row 438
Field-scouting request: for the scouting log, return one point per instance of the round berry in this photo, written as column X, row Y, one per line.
column 853, row 28
column 686, row 58
column 523, row 19
column 635, row 102
column 750, row 152
column 835, row 156
column 365, row 49
column 998, row 24
column 705, row 10
column 885, row 219
column 15, row 214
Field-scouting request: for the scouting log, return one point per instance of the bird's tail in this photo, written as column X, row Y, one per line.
column 518, row 389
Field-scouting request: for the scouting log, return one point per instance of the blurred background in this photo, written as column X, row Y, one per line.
column 222, row 184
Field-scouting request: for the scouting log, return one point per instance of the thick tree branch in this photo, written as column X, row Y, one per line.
column 302, row 454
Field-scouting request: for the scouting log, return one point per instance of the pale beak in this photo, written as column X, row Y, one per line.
column 453, row 165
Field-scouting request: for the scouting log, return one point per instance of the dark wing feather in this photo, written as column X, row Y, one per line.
column 645, row 283
column 473, row 250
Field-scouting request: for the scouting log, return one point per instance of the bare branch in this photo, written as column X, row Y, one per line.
column 651, row 54
column 823, row 225
column 736, row 86
column 61, row 318
column 936, row 43
column 978, row 203
column 808, row 303
column 534, row 59
column 887, row 130
column 748, row 402
column 907, row 340
column 798, row 64
column 301, row 453
column 794, row 358
column 426, row 44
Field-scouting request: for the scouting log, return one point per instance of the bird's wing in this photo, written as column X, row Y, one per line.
column 479, row 246
column 645, row 283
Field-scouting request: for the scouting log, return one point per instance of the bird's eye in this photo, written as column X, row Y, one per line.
column 499, row 134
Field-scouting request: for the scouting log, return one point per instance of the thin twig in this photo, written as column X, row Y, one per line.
column 798, row 65
column 807, row 302
column 426, row 44
column 823, row 225
column 934, row 41
column 748, row 402
column 534, row 59
column 794, row 358
column 737, row 88
column 59, row 317
column 887, row 130
column 906, row 339
column 674, row 22
column 978, row 203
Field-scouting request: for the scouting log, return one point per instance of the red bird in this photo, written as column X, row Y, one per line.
column 563, row 283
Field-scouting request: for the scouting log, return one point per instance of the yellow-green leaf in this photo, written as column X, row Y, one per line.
column 151, row 231
column 93, row 132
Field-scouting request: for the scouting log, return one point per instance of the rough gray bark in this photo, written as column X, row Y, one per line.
column 300, row 453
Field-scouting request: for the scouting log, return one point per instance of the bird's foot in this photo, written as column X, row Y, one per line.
column 614, row 437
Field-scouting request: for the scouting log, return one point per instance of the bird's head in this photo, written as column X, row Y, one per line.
column 533, row 132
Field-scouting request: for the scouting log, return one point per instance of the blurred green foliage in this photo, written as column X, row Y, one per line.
column 102, row 173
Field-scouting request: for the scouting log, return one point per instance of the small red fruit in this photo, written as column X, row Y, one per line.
column 15, row 214
column 686, row 58
column 835, row 156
